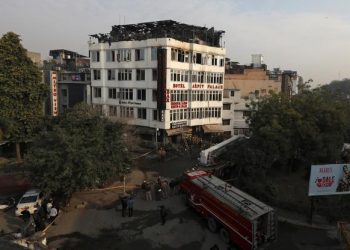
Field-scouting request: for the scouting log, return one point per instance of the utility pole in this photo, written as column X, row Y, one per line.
column 157, row 129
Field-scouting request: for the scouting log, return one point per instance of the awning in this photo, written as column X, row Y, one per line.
column 178, row 131
column 213, row 128
column 145, row 130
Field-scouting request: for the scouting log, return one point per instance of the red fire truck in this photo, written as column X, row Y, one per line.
column 240, row 218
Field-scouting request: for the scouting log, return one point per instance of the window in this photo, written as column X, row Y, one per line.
column 232, row 93
column 140, row 75
column 178, row 114
column 126, row 94
column 155, row 115
column 246, row 113
column 153, row 54
column 112, row 110
column 112, row 93
column 110, row 55
column 111, row 74
column 64, row 92
column 141, row 113
column 198, row 58
column 222, row 61
column 123, row 55
column 97, row 74
column 95, row 56
column 226, row 121
column 126, row 112
column 154, row 74
column 125, row 75
column 154, row 95
column 139, row 54
column 97, row 92
column 226, row 106
column 141, row 94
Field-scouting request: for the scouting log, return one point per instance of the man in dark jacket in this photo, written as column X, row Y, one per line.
column 124, row 201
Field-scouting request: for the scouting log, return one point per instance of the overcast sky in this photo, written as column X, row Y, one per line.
column 310, row 36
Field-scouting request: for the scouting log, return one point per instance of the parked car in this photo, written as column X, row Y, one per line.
column 30, row 201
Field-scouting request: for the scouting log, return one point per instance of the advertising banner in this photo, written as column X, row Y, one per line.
column 54, row 94
column 331, row 179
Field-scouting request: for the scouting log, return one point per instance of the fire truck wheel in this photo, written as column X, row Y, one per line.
column 213, row 225
column 225, row 236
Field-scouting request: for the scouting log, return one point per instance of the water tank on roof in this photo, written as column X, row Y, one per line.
column 257, row 60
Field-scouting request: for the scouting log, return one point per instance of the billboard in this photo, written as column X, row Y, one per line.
column 329, row 179
column 54, row 94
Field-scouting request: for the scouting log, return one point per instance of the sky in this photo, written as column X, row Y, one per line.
column 309, row 36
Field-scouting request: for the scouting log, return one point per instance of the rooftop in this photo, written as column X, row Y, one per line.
column 248, row 206
column 160, row 29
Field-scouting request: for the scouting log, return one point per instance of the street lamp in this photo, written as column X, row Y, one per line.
column 157, row 129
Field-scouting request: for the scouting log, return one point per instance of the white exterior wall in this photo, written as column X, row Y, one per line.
column 229, row 114
column 150, row 85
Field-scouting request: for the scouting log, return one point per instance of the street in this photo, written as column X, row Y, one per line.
column 99, row 223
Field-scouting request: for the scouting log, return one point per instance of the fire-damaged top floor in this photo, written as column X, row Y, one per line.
column 160, row 29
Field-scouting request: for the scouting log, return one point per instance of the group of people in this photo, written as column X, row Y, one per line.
column 46, row 213
column 162, row 189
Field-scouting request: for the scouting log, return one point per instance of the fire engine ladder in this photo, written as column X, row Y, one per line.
column 245, row 206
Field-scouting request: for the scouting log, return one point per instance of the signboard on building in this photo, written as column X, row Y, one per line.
column 54, row 94
column 178, row 124
column 331, row 179
column 178, row 105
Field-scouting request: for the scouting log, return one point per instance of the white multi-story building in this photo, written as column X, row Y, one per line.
column 161, row 75
column 235, row 112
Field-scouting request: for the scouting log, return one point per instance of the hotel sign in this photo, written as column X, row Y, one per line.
column 54, row 96
column 178, row 105
column 178, row 124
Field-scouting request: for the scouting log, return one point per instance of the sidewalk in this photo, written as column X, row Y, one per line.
column 318, row 222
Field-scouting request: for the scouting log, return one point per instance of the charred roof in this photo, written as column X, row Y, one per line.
column 160, row 29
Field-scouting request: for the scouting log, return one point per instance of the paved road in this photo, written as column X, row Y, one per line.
column 184, row 229
column 107, row 229
column 103, row 227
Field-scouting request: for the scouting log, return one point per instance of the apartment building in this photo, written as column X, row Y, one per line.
column 68, row 75
column 162, row 75
column 244, row 83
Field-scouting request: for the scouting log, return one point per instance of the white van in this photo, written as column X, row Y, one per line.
column 29, row 201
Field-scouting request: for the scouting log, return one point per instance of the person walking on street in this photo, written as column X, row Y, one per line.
column 53, row 214
column 131, row 205
column 163, row 214
column 124, row 201
column 48, row 208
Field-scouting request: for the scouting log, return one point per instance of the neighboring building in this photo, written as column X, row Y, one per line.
column 246, row 82
column 290, row 81
column 35, row 57
column 235, row 111
column 228, row 109
column 254, row 78
column 68, row 74
column 160, row 75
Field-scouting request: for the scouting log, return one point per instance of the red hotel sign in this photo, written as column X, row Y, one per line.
column 178, row 105
column 54, row 93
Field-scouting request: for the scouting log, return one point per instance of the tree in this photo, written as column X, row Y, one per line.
column 21, row 91
column 299, row 131
column 79, row 150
